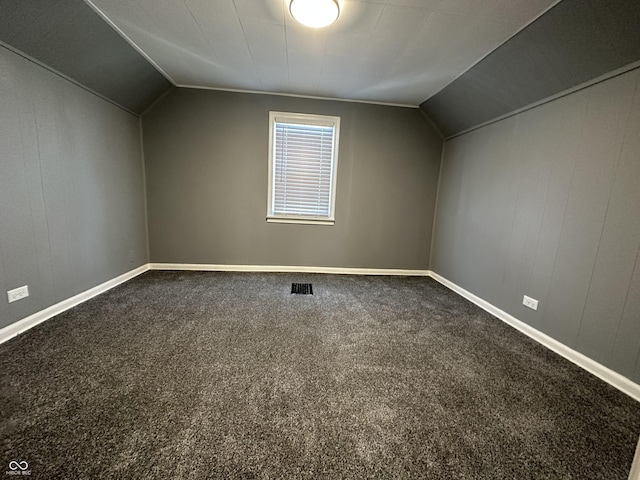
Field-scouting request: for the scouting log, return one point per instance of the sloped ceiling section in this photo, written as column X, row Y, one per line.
column 381, row 51
column 574, row 42
column 69, row 37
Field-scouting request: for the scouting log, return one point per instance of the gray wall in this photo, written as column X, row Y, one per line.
column 68, row 36
column 206, row 161
column 71, row 188
column 574, row 42
column 547, row 203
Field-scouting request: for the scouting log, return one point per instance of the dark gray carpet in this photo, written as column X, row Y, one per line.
column 225, row 375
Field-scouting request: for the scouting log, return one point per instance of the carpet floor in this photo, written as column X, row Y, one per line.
column 227, row 375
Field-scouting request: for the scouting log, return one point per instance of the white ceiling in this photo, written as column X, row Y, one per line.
column 387, row 51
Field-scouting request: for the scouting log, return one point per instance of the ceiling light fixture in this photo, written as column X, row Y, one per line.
column 315, row 13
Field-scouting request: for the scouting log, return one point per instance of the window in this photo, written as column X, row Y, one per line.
column 303, row 163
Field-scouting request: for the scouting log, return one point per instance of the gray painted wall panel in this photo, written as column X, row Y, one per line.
column 31, row 158
column 71, row 190
column 563, row 117
column 616, row 260
column 628, row 336
column 574, row 42
column 625, row 357
column 68, row 36
column 527, row 208
column 488, row 244
column 449, row 192
column 459, row 195
column 614, row 265
column 608, row 108
column 570, row 223
column 206, row 163
column 17, row 237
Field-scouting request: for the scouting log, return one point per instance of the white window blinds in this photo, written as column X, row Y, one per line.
column 303, row 167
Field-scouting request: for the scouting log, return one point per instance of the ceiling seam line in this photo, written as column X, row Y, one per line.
column 206, row 39
column 244, row 35
column 286, row 42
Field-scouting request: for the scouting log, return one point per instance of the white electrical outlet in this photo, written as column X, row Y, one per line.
column 18, row 293
column 532, row 303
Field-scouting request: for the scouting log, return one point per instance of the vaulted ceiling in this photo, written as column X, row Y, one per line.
column 464, row 62
column 393, row 51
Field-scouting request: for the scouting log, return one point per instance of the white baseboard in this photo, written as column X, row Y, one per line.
column 615, row 379
column 31, row 321
column 286, row 269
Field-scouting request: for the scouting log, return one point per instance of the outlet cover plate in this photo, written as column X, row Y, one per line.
column 18, row 294
column 532, row 303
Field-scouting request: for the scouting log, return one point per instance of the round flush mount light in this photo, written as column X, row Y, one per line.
column 315, row 13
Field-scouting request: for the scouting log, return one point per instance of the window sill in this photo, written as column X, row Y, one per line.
column 302, row 220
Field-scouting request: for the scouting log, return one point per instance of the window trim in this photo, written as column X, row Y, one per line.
column 305, row 119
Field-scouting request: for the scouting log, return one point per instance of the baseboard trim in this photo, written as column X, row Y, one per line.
column 287, row 269
column 615, row 379
column 31, row 321
column 604, row 373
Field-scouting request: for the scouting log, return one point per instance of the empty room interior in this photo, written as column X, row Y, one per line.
column 337, row 239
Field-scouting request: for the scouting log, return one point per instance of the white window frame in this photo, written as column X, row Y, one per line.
column 304, row 119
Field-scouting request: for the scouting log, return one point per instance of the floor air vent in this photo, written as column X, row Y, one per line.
column 302, row 288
